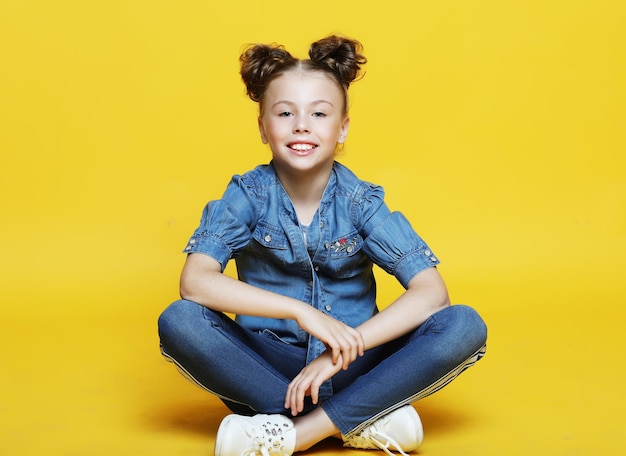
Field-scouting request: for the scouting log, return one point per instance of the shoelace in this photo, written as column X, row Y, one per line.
column 372, row 435
column 266, row 442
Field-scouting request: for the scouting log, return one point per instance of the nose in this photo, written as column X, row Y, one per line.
column 301, row 125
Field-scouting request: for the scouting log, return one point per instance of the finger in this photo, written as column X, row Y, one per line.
column 314, row 395
column 297, row 397
column 335, row 350
column 291, row 393
column 313, row 386
column 350, row 350
column 361, row 344
column 353, row 352
column 298, row 389
column 347, row 356
column 292, row 402
column 357, row 342
column 303, row 390
column 287, row 397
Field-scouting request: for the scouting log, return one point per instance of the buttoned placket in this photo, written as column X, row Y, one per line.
column 315, row 347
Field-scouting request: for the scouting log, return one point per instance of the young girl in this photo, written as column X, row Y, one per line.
column 309, row 355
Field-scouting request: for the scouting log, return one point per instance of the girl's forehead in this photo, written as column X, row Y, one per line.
column 301, row 81
column 299, row 76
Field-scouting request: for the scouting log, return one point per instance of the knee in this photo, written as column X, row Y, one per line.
column 460, row 332
column 470, row 327
column 175, row 318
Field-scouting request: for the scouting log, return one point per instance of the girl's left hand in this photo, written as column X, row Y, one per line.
column 309, row 380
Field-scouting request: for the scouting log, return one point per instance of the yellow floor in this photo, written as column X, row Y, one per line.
column 551, row 384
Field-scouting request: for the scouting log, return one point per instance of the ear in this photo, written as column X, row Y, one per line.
column 262, row 131
column 343, row 130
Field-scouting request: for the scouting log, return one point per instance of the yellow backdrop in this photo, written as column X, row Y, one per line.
column 497, row 127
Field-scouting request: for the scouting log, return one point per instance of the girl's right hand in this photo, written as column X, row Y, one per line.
column 308, row 382
column 345, row 342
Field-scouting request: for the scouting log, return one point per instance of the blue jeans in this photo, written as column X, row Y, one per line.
column 250, row 371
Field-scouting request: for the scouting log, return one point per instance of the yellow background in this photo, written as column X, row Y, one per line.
column 497, row 127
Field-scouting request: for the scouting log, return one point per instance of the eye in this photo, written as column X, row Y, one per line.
column 284, row 114
column 319, row 114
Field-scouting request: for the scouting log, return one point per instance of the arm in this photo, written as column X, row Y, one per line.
column 425, row 295
column 202, row 281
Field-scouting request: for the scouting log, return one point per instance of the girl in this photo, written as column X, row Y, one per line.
column 309, row 356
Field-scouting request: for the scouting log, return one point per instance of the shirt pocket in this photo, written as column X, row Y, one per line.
column 270, row 249
column 346, row 258
column 270, row 236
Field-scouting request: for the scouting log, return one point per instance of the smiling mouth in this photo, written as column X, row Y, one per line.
column 302, row 147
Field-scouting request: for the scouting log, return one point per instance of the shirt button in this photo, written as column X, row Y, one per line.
column 317, row 268
column 192, row 241
column 349, row 249
column 267, row 238
column 321, row 224
column 327, row 307
column 433, row 259
column 326, row 245
column 427, row 252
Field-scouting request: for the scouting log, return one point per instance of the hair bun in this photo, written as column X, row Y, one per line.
column 337, row 56
column 258, row 63
column 341, row 55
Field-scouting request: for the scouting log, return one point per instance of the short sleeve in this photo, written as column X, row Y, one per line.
column 391, row 242
column 225, row 225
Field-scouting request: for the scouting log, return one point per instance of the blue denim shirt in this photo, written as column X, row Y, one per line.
column 327, row 264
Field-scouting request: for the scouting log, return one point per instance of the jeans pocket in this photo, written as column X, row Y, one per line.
column 272, row 335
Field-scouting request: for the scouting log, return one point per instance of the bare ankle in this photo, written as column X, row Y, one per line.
column 313, row 428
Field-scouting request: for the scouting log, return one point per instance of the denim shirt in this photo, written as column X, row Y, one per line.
column 328, row 264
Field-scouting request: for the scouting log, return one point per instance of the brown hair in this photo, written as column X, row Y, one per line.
column 338, row 57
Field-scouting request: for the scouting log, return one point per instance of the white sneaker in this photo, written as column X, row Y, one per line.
column 400, row 429
column 259, row 435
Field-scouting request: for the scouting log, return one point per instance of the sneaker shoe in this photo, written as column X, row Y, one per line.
column 259, row 435
column 401, row 430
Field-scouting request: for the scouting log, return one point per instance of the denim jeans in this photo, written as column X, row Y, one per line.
column 250, row 371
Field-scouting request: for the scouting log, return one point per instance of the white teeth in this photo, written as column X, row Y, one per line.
column 302, row 147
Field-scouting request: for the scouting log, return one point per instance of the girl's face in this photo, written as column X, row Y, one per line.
column 302, row 119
